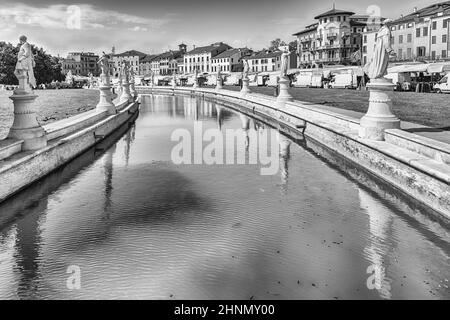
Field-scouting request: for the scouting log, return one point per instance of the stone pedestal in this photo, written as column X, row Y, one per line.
column 283, row 95
column 245, row 87
column 219, row 84
column 105, row 103
column 25, row 126
column 125, row 95
column 379, row 116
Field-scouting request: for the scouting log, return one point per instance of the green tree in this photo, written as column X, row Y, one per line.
column 274, row 44
column 8, row 59
column 47, row 69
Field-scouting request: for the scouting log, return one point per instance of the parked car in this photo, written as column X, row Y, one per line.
column 443, row 86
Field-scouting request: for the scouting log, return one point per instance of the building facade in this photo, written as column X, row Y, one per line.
column 145, row 64
column 230, row 60
column 133, row 57
column 81, row 64
column 422, row 35
column 267, row 61
column 335, row 38
column 200, row 58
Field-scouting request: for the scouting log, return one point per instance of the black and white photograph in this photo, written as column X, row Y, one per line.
column 244, row 151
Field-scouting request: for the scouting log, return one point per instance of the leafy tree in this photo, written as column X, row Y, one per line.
column 274, row 44
column 8, row 59
column 47, row 68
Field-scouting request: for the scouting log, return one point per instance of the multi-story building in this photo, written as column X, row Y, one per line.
column 200, row 58
column 268, row 61
column 422, row 35
column 145, row 64
column 166, row 63
column 335, row 38
column 230, row 60
column 81, row 63
column 132, row 56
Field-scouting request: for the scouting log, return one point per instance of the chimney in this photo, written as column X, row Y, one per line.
column 415, row 9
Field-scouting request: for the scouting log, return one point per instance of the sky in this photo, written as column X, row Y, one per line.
column 154, row 26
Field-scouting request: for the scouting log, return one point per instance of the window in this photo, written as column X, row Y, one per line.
column 434, row 25
column 433, row 55
column 400, row 53
column 331, row 19
column 444, row 38
column 418, row 32
column 365, row 39
column 344, row 18
column 444, row 54
column 425, row 31
column 364, row 49
column 444, row 24
column 433, row 40
column 324, row 20
column 408, row 53
column 400, row 39
column 409, row 37
column 338, row 18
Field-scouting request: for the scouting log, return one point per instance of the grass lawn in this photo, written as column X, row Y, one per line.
column 51, row 105
column 428, row 109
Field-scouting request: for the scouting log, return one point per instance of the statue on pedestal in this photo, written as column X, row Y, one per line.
column 104, row 66
column 246, row 69
column 24, row 66
column 284, row 63
column 377, row 68
column 125, row 71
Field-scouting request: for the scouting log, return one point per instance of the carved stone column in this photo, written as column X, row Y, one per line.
column 105, row 103
column 379, row 116
column 25, row 126
column 283, row 95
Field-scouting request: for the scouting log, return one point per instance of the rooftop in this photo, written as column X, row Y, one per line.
column 207, row 49
column 131, row 53
column 148, row 58
column 333, row 12
column 227, row 53
column 311, row 27
column 264, row 55
column 431, row 10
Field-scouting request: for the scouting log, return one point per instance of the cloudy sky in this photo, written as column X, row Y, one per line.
column 153, row 26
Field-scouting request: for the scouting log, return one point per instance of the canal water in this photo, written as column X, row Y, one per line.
column 124, row 221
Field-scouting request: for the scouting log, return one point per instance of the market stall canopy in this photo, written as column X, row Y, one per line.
column 423, row 67
column 438, row 67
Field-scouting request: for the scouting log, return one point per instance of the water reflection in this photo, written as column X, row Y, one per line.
column 136, row 223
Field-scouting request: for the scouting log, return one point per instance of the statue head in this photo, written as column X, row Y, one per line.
column 23, row 39
column 386, row 22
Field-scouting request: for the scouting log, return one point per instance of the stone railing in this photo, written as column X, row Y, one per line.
column 26, row 134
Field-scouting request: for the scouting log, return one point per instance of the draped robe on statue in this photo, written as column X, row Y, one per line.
column 25, row 63
column 377, row 67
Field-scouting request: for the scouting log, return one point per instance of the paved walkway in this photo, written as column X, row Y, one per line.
column 421, row 130
column 429, row 132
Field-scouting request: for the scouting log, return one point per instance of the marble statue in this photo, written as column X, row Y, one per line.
column 284, row 63
column 69, row 77
column 25, row 62
column 246, row 68
column 125, row 72
column 104, row 64
column 377, row 68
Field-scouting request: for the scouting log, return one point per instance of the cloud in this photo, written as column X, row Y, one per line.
column 138, row 28
column 83, row 16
